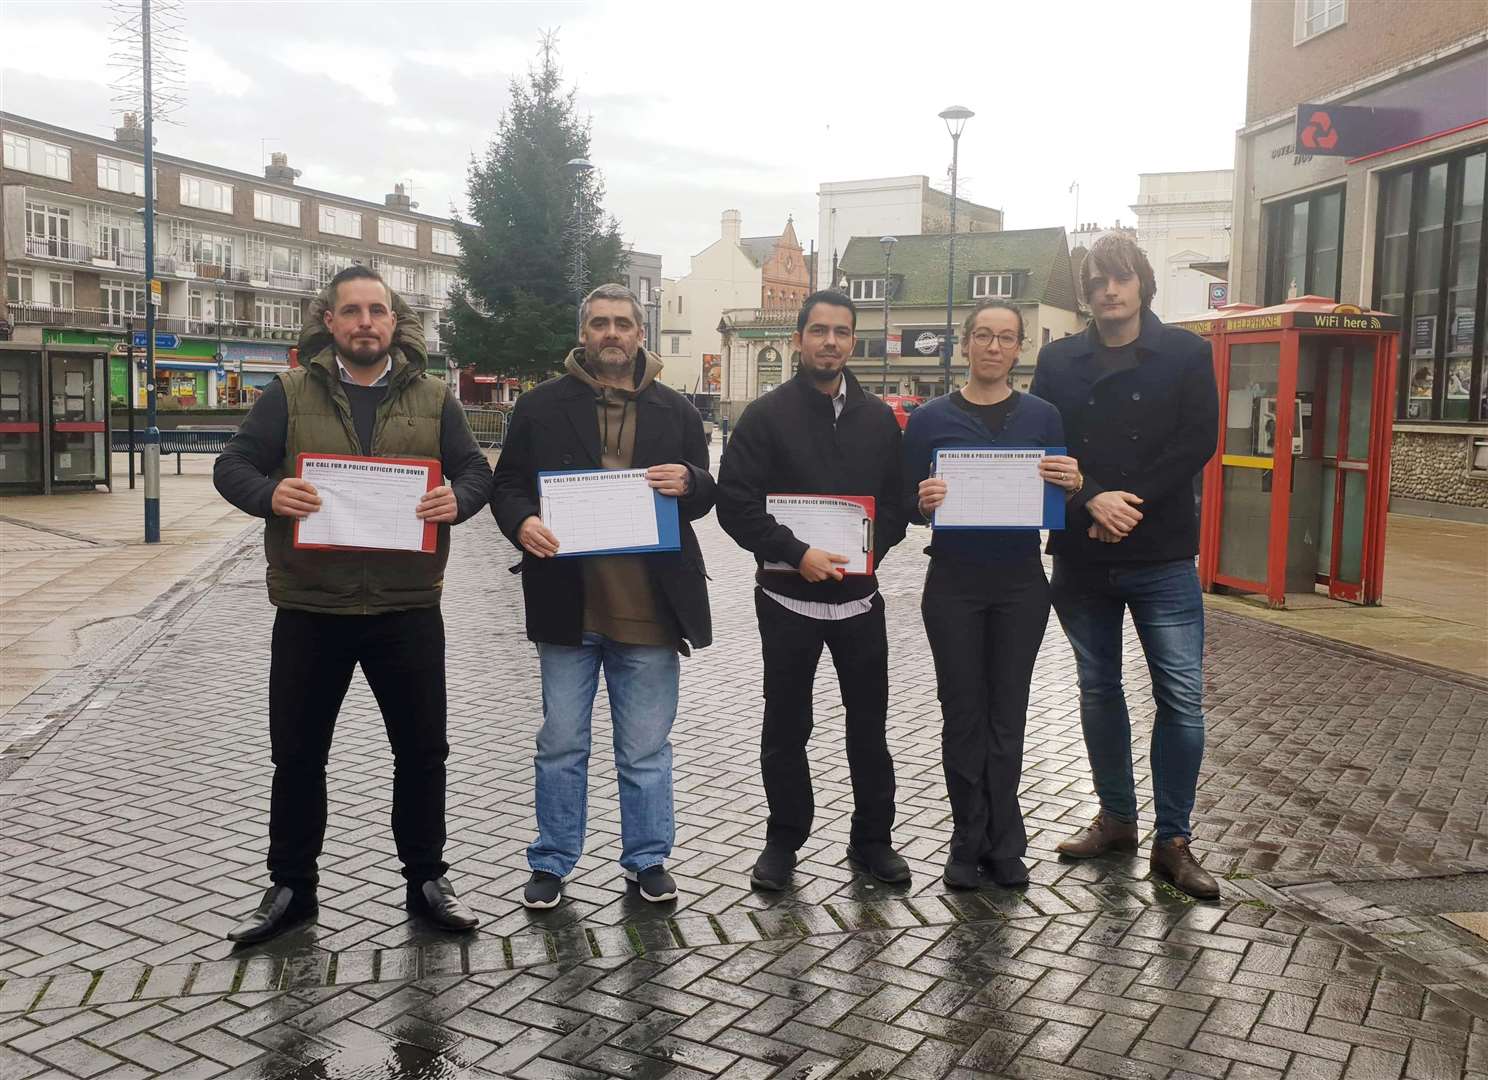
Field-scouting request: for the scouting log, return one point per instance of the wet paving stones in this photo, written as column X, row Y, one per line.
column 133, row 836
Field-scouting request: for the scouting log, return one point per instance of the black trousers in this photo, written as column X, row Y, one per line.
column 792, row 645
column 985, row 624
column 312, row 658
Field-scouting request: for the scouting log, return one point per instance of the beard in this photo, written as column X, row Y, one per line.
column 610, row 363
column 363, row 352
column 828, row 373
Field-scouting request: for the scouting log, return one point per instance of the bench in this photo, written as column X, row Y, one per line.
column 182, row 440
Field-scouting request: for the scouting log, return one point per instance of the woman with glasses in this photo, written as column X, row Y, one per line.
column 986, row 600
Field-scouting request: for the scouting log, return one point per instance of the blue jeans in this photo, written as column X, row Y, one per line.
column 642, row 683
column 1168, row 612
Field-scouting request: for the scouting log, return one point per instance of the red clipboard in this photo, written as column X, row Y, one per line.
column 865, row 504
column 431, row 529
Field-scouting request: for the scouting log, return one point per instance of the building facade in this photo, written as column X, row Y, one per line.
column 643, row 277
column 1361, row 175
column 889, row 206
column 1028, row 268
column 1183, row 224
column 238, row 257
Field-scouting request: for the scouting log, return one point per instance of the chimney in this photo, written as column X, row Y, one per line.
column 732, row 222
column 398, row 200
column 278, row 169
column 132, row 134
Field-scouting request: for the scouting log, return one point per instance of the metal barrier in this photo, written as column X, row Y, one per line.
column 488, row 424
column 179, row 441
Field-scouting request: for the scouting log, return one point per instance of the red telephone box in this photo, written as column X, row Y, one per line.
column 1298, row 494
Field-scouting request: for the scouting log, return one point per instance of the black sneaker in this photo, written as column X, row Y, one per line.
column 772, row 870
column 655, row 883
column 1009, row 873
column 962, row 875
column 880, row 860
column 543, row 891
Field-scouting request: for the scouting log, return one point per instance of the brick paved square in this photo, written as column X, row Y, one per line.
column 133, row 836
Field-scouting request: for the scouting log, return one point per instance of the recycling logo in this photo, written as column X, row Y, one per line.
column 1320, row 134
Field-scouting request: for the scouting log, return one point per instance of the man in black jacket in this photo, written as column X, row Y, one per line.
column 629, row 615
column 818, row 434
column 1141, row 414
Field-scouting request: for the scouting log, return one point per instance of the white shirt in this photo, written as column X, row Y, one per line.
column 822, row 609
column 382, row 378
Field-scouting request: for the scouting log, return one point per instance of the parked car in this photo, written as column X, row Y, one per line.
column 903, row 405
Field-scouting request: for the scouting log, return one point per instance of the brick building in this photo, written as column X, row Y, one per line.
column 1390, row 217
column 238, row 255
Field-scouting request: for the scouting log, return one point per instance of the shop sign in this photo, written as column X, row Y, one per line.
column 1423, row 334
column 1219, row 293
column 1305, row 320
column 1349, row 130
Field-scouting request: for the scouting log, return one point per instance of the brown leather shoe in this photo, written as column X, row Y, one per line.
column 1174, row 862
column 1103, row 834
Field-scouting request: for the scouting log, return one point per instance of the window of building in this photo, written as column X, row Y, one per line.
column 645, row 295
column 280, row 209
column 49, row 232
column 866, row 288
column 341, row 222
column 676, row 345
column 1047, row 336
column 59, row 289
column 271, row 313
column 401, row 279
column 122, row 300
column 397, row 233
column 36, row 156
column 445, row 242
column 206, row 194
column 1429, row 238
column 986, row 286
column 18, row 285
column 1313, row 17
column 211, row 250
column 203, row 306
column 1303, row 238
column 284, row 259
column 116, row 174
column 328, row 265
column 440, row 284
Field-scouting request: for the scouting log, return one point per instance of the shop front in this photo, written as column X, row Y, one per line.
column 1377, row 199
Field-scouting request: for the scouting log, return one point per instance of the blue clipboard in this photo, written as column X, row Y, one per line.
column 1054, row 498
column 668, row 528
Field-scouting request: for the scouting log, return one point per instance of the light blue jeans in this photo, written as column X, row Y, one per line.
column 642, row 684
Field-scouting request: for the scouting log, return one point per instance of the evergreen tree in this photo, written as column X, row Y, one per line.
column 513, row 310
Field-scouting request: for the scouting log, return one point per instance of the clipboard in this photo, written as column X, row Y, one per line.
column 780, row 505
column 664, row 507
column 1053, row 503
column 430, row 540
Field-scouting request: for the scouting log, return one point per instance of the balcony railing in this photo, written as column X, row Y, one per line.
column 49, row 247
column 416, row 299
column 123, row 259
column 281, row 279
column 33, row 314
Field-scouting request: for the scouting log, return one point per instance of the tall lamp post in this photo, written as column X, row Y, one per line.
column 955, row 119
column 579, row 169
column 887, row 243
column 152, row 430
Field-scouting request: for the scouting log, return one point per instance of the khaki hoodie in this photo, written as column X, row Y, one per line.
column 618, row 598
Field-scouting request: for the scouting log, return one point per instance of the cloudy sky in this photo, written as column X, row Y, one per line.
column 697, row 107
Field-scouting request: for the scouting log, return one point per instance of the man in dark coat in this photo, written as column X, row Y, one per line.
column 629, row 615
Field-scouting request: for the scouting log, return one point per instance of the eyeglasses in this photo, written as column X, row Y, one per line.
column 1007, row 339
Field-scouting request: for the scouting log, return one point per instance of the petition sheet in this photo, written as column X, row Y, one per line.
column 367, row 503
column 991, row 488
column 600, row 511
column 842, row 526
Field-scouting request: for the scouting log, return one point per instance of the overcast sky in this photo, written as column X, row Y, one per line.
column 697, row 107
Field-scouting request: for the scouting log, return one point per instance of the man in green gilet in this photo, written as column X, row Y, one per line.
column 362, row 390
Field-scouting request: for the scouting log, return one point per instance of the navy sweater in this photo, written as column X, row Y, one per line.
column 940, row 424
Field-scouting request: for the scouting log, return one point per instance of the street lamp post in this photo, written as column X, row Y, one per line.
column 152, row 430
column 217, row 312
column 887, row 243
column 579, row 169
column 955, row 119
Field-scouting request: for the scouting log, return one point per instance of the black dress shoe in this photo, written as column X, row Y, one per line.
column 281, row 909
column 436, row 901
column 880, row 860
column 772, row 870
column 961, row 875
